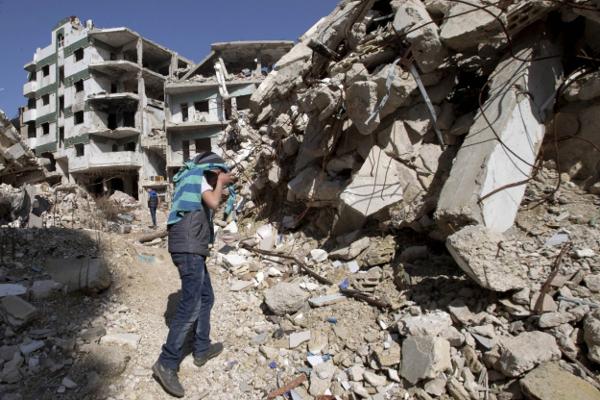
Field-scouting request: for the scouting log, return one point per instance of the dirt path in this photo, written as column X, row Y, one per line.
column 152, row 290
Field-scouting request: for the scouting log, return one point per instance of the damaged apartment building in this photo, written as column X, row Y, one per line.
column 94, row 96
column 204, row 100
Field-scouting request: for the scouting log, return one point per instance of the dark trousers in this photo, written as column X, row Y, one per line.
column 193, row 310
column 153, row 215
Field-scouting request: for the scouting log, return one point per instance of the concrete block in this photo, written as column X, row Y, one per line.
column 502, row 152
column 16, row 312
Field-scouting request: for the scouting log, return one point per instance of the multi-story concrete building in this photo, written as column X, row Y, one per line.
column 201, row 103
column 96, row 100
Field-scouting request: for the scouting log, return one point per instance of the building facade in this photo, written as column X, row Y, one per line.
column 202, row 102
column 96, row 107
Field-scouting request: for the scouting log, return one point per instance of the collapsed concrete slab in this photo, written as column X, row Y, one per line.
column 378, row 185
column 502, row 144
column 467, row 25
column 475, row 250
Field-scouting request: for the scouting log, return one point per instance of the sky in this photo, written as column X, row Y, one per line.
column 185, row 26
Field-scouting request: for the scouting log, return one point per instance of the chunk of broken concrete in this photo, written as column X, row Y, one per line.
column 326, row 300
column 16, row 312
column 591, row 335
column 285, row 298
column 12, row 289
column 352, row 251
column 320, row 378
column 550, row 382
column 508, row 121
column 431, row 324
column 524, row 352
column 297, row 338
column 466, row 25
column 475, row 250
column 424, row 357
column 413, row 23
column 379, row 184
column 85, row 274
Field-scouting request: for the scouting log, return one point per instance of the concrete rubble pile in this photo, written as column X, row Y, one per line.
column 393, row 128
column 17, row 162
column 45, row 278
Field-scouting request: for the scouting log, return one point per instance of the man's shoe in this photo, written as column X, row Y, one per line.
column 214, row 350
column 168, row 379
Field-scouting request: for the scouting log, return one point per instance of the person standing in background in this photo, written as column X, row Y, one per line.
column 153, row 205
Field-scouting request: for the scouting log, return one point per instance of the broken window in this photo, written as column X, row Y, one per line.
column 129, row 146
column 61, row 136
column 78, row 117
column 78, row 55
column 46, row 128
column 60, row 38
column 46, row 70
column 79, row 86
column 201, row 106
column 185, row 145
column 45, row 99
column 129, row 119
column 112, row 121
column 115, row 148
column 31, row 76
column 243, row 102
column 202, row 145
column 79, row 150
column 227, row 107
column 31, row 130
column 61, row 104
column 61, row 74
column 184, row 112
column 31, row 104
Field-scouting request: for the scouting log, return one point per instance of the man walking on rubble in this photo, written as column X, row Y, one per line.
column 199, row 188
column 152, row 205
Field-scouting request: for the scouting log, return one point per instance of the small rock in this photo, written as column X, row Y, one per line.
column 297, row 338
column 68, row 383
column 30, row 347
column 16, row 311
column 374, row 379
column 524, row 352
column 584, row 253
column 285, row 298
column 592, row 282
column 553, row 319
column 424, row 357
column 436, row 387
column 356, row 373
column 121, row 339
column 550, row 382
column 318, row 255
column 591, row 335
column 12, row 289
column 320, row 378
column 548, row 305
column 431, row 324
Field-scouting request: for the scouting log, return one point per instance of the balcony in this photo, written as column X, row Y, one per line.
column 29, row 115
column 29, row 88
column 106, row 161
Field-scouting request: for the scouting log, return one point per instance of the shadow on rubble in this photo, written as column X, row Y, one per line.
column 436, row 282
column 55, row 334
